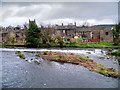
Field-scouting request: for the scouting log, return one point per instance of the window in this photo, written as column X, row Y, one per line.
column 17, row 35
column 106, row 33
column 63, row 31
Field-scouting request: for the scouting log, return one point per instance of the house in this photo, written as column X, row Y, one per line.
column 14, row 35
column 89, row 34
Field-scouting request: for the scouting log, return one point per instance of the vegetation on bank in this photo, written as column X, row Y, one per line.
column 37, row 39
column 33, row 35
column 93, row 45
column 116, row 53
column 72, row 45
column 79, row 60
column 116, row 34
column 21, row 55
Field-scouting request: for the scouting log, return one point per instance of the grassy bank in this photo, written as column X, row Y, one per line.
column 93, row 45
column 72, row 45
column 79, row 60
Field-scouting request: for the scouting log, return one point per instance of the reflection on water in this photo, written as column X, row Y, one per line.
column 20, row 73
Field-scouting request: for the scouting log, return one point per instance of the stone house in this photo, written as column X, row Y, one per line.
column 88, row 34
column 13, row 35
column 97, row 33
column 103, row 34
column 106, row 35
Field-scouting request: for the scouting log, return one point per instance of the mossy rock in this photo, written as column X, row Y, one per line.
column 22, row 56
column 101, row 57
column 18, row 53
column 37, row 62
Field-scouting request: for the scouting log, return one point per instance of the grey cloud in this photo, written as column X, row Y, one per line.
column 88, row 10
column 60, row 0
column 53, row 11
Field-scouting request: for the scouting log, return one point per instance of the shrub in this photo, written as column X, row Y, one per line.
column 117, row 53
column 59, row 41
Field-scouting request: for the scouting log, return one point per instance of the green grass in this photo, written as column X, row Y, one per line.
column 81, row 45
column 103, row 72
column 108, row 73
column 93, row 45
column 100, row 64
column 84, row 58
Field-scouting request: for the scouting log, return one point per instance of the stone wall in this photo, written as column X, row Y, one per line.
column 106, row 35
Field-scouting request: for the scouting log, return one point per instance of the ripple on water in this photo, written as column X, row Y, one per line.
column 19, row 73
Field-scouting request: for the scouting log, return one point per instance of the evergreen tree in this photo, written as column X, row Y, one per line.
column 116, row 34
column 33, row 35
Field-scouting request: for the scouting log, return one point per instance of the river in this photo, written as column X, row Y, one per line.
column 18, row 73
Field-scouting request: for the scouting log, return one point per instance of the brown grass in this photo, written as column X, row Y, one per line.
column 79, row 60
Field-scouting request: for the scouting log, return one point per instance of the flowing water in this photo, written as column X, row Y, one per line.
column 19, row 73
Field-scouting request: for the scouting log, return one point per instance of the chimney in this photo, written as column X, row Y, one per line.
column 62, row 24
column 29, row 20
column 75, row 23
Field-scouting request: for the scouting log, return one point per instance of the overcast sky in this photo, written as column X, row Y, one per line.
column 57, row 13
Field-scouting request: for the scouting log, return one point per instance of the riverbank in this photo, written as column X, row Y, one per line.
column 116, row 53
column 79, row 60
column 71, row 45
column 95, row 45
